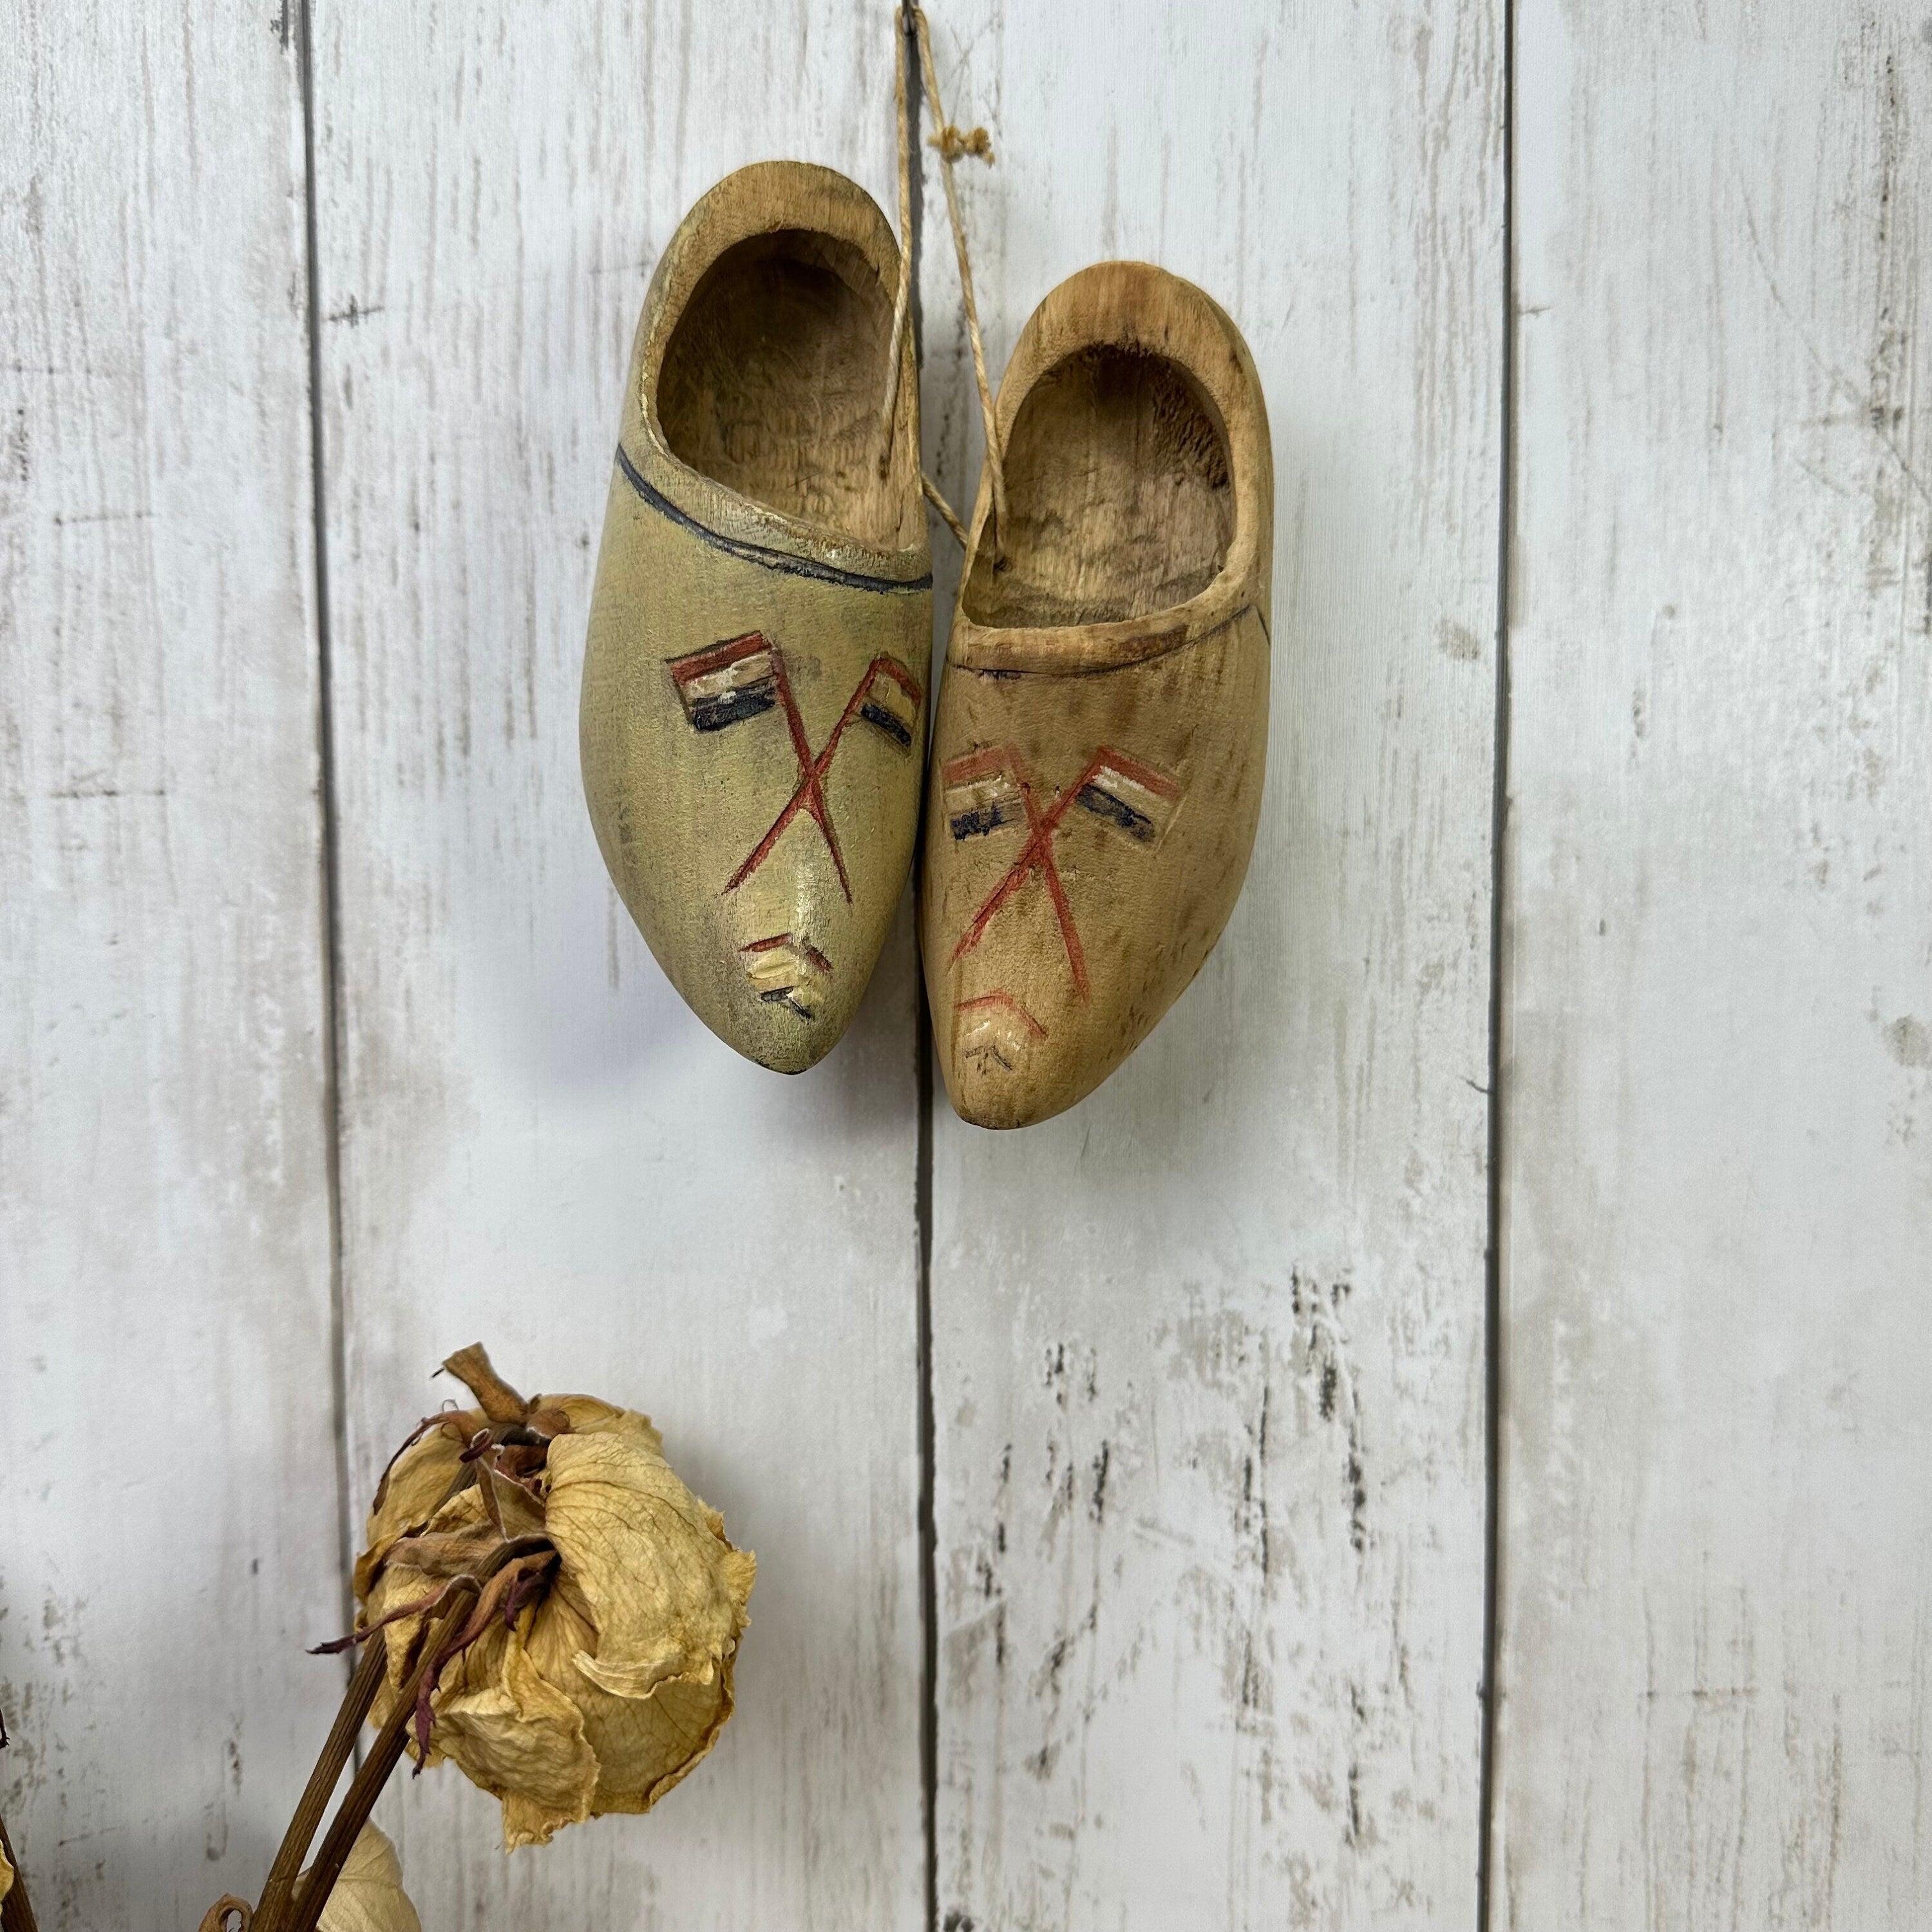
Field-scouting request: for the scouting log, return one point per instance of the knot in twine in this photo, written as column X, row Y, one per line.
column 955, row 144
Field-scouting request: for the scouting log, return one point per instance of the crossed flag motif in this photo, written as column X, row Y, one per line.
column 745, row 676
column 984, row 790
column 990, row 788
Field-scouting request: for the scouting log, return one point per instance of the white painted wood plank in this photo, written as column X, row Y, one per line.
column 1209, row 1384
column 543, row 1147
column 167, row 1542
column 1715, row 1638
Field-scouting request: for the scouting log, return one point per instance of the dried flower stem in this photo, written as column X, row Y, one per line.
column 16, row 1915
column 367, row 1786
column 321, row 1782
column 367, row 1680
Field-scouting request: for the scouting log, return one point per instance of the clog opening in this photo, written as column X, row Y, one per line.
column 1119, row 495
column 772, row 381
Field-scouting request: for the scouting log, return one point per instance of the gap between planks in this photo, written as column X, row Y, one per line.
column 1499, row 874
column 332, row 932
column 924, row 1100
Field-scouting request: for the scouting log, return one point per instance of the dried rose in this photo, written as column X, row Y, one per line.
column 595, row 1670
column 368, row 1897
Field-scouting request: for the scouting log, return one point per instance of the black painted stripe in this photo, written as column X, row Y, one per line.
column 977, row 820
column 1116, row 812
column 752, row 552
column 895, row 728
column 713, row 714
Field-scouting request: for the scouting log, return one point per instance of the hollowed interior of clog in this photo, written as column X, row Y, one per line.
column 1119, row 500
column 773, row 378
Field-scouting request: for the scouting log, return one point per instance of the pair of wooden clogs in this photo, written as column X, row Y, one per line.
column 754, row 724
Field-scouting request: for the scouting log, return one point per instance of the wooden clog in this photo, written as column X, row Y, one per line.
column 1102, row 722
column 752, row 723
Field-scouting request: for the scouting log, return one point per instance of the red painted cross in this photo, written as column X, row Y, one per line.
column 809, row 796
column 1037, row 855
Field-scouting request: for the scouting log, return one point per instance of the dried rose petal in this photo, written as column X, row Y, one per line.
column 369, row 1896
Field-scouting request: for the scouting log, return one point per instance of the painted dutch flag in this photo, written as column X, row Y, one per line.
column 982, row 792
column 891, row 703
column 1130, row 797
column 719, row 685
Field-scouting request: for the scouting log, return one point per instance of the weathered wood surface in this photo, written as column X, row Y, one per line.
column 1718, row 1197
column 1208, row 1371
column 168, row 1533
column 541, row 1145
column 1208, row 1386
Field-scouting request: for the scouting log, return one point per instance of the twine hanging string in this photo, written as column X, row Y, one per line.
column 902, row 296
column 952, row 143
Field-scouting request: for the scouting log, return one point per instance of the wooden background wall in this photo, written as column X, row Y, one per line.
column 1287, row 1565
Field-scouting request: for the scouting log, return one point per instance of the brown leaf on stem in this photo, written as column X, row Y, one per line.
column 494, row 1396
